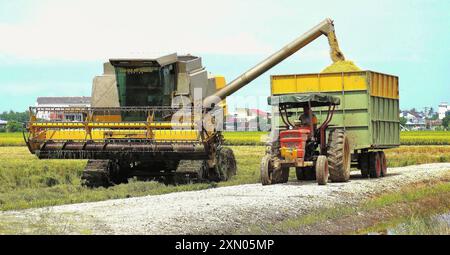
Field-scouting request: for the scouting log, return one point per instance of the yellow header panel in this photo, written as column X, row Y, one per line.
column 158, row 135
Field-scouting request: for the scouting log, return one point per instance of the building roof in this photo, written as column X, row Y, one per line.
column 63, row 100
column 3, row 122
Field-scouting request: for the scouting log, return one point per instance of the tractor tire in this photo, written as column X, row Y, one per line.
column 266, row 170
column 280, row 175
column 225, row 164
column 305, row 173
column 363, row 161
column 322, row 170
column 284, row 175
column 383, row 162
column 339, row 156
column 374, row 165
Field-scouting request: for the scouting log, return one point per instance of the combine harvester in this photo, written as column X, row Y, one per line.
column 153, row 118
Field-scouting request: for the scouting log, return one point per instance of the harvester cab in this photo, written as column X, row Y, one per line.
column 299, row 142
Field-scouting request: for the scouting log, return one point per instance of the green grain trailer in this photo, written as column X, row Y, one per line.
column 369, row 111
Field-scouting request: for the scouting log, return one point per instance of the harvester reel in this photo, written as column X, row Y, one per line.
column 339, row 155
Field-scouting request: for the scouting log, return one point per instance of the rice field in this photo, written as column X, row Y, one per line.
column 425, row 137
column 26, row 181
column 11, row 139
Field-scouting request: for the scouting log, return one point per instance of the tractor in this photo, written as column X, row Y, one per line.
column 301, row 143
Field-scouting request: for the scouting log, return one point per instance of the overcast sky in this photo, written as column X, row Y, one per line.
column 55, row 48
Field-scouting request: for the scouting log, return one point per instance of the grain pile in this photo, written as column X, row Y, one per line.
column 338, row 58
column 341, row 66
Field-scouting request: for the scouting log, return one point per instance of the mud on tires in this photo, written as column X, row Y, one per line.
column 339, row 156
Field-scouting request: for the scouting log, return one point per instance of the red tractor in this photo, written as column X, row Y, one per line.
column 302, row 144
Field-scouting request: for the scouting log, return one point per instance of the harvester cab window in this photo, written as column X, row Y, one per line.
column 145, row 86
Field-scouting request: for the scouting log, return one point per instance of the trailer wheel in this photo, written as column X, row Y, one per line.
column 339, row 156
column 226, row 164
column 266, row 170
column 374, row 165
column 322, row 170
column 383, row 162
column 364, row 164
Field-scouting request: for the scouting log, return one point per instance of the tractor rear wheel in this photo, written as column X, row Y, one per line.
column 266, row 170
column 383, row 162
column 225, row 164
column 322, row 170
column 339, row 156
column 374, row 165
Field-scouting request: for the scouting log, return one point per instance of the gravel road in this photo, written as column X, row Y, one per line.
column 213, row 211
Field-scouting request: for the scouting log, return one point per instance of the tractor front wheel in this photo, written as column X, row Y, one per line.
column 266, row 170
column 322, row 170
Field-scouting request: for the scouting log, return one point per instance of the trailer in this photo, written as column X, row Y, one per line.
column 368, row 111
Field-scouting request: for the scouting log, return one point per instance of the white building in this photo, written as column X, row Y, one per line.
column 54, row 102
column 442, row 110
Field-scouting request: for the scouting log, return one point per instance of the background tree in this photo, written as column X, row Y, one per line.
column 14, row 126
column 446, row 121
column 403, row 121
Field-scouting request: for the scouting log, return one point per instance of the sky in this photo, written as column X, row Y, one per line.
column 55, row 48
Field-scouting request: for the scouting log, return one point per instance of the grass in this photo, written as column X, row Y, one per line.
column 410, row 210
column 413, row 155
column 26, row 181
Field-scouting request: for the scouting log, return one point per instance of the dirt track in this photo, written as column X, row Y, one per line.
column 213, row 211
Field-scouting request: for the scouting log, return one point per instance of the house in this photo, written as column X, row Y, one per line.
column 443, row 109
column 414, row 120
column 50, row 103
column 3, row 123
column 245, row 119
